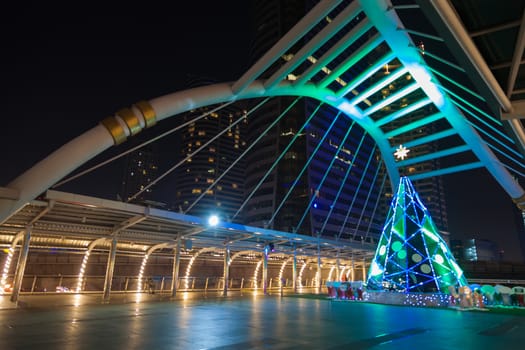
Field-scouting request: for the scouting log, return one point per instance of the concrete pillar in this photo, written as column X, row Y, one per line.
column 109, row 269
column 21, row 266
column 265, row 270
column 226, row 273
column 175, row 272
column 294, row 271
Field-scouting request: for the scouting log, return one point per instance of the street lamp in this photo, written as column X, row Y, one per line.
column 213, row 220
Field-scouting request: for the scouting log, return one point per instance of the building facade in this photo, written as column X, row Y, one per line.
column 206, row 183
column 322, row 185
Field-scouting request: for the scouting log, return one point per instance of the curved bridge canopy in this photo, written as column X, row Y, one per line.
column 360, row 58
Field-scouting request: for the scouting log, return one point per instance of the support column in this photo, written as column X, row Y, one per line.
column 109, row 269
column 175, row 272
column 226, row 270
column 364, row 270
column 353, row 269
column 21, row 266
column 265, row 269
column 337, row 263
column 294, row 270
column 319, row 281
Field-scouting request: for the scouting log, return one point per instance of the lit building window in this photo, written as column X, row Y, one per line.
column 209, row 192
column 234, row 185
column 210, row 181
column 201, row 133
column 196, row 191
column 197, row 143
column 211, row 159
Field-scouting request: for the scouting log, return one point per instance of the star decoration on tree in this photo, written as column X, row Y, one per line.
column 401, row 152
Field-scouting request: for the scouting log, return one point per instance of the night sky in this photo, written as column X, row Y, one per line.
column 65, row 69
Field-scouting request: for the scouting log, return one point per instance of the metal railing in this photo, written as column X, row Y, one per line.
column 38, row 284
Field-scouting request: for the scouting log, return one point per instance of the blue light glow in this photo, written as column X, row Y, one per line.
column 213, row 220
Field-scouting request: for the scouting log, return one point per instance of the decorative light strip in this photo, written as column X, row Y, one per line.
column 330, row 274
column 7, row 265
column 256, row 273
column 301, row 274
column 281, row 271
column 82, row 272
column 341, row 273
column 188, row 270
column 141, row 273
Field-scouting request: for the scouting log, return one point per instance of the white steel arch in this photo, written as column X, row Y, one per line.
column 379, row 16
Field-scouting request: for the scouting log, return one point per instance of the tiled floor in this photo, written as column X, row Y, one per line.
column 261, row 322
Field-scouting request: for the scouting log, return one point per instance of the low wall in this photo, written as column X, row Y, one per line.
column 412, row 299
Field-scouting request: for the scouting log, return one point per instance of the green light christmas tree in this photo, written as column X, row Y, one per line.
column 411, row 255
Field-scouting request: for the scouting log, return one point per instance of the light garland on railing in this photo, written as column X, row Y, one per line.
column 342, row 273
column 141, row 273
column 256, row 273
column 300, row 282
column 82, row 271
column 330, row 273
column 7, row 265
column 281, row 271
column 188, row 270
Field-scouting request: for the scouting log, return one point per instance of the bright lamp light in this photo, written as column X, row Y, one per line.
column 213, row 220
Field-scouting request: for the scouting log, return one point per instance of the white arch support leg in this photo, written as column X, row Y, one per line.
column 109, row 270
column 226, row 270
column 176, row 267
column 21, row 266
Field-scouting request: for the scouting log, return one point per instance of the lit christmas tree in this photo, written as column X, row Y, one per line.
column 411, row 255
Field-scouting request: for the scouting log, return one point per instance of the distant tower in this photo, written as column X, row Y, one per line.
column 200, row 171
column 140, row 170
column 315, row 203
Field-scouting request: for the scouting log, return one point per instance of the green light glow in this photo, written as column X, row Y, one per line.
column 430, row 235
column 375, row 269
column 396, row 246
column 430, row 266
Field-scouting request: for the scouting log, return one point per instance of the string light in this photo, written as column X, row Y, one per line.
column 141, row 273
column 330, row 274
column 281, row 271
column 7, row 265
column 256, row 273
column 301, row 274
column 82, row 271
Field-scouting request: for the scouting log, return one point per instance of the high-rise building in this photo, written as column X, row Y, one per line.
column 198, row 190
column 140, row 170
column 321, row 184
column 480, row 250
